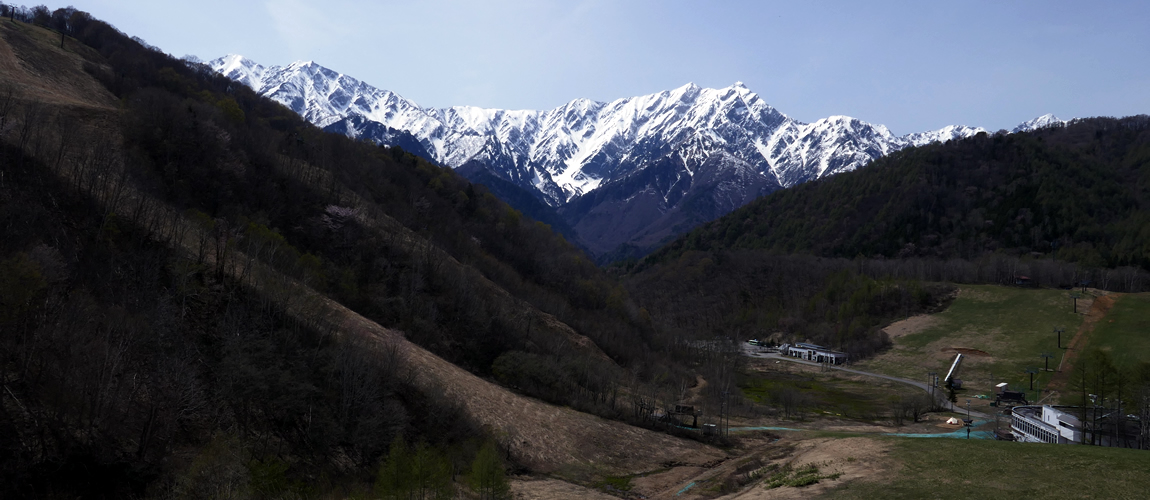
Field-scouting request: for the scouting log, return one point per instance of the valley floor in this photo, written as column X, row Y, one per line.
column 856, row 456
column 864, row 462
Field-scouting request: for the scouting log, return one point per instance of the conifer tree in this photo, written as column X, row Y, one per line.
column 487, row 477
column 395, row 478
column 420, row 474
column 431, row 474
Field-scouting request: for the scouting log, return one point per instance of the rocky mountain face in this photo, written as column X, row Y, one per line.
column 625, row 175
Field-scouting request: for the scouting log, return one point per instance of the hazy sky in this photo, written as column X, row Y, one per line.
column 912, row 66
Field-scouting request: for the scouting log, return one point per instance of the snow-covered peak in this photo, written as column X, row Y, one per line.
column 240, row 69
column 944, row 134
column 1044, row 121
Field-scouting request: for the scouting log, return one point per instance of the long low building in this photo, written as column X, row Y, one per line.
column 1045, row 424
column 1056, row 424
column 812, row 352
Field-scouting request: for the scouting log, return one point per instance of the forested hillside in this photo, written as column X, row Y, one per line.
column 158, row 219
column 834, row 260
column 745, row 294
column 1079, row 193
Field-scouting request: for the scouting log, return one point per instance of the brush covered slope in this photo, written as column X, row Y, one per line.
column 194, row 279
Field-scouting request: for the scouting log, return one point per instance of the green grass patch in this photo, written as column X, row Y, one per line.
column 1125, row 331
column 960, row 469
column 1013, row 326
column 616, row 483
column 824, row 393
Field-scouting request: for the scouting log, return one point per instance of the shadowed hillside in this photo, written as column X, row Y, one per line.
column 200, row 290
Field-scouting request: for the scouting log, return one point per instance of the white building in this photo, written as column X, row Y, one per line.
column 812, row 352
column 1045, row 424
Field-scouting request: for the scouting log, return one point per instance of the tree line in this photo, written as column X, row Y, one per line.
column 741, row 294
column 1113, row 400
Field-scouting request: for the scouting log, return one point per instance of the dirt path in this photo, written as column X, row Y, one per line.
column 914, row 324
column 694, row 394
column 553, row 489
column 855, row 459
column 1098, row 309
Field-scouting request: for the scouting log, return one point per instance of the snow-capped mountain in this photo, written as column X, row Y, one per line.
column 1044, row 121
column 565, row 155
column 569, row 151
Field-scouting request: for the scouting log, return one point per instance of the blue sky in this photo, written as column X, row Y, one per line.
column 912, row 66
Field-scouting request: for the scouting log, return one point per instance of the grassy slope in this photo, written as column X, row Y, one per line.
column 34, row 65
column 828, row 393
column 953, row 468
column 1013, row 325
column 1125, row 331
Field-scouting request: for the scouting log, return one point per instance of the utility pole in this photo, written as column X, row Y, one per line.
column 1093, row 418
column 968, row 420
column 724, row 429
column 1032, row 371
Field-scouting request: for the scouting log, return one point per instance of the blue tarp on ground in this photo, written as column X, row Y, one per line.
column 957, row 434
column 749, row 429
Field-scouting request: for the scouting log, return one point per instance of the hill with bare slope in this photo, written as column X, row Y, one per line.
column 203, row 291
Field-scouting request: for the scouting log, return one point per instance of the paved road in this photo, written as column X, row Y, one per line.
column 753, row 352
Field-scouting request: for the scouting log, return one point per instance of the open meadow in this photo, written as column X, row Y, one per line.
column 802, row 391
column 960, row 469
column 1002, row 331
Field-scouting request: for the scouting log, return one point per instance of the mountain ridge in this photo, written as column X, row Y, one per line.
column 772, row 146
column 565, row 154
